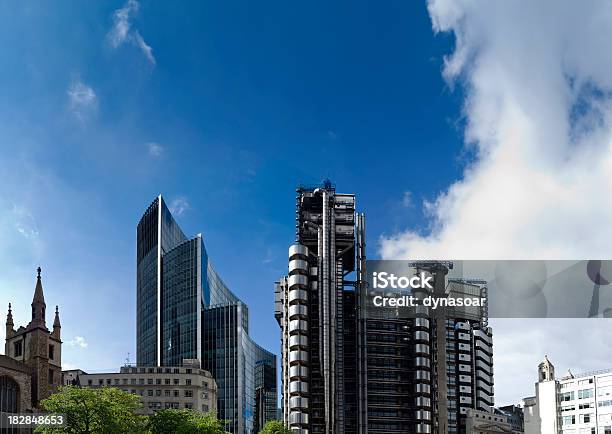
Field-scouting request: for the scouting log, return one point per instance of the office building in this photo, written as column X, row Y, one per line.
column 266, row 400
column 186, row 386
column 514, row 415
column 30, row 369
column 345, row 371
column 185, row 311
column 316, row 313
column 70, row 377
column 484, row 422
column 574, row 404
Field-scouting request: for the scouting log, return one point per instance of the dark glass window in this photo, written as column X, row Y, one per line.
column 18, row 349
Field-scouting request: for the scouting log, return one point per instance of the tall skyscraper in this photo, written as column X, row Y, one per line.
column 348, row 371
column 185, row 311
column 312, row 305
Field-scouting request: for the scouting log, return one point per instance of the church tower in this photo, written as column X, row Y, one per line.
column 37, row 347
column 546, row 371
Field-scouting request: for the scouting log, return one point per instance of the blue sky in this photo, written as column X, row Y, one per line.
column 223, row 107
column 468, row 129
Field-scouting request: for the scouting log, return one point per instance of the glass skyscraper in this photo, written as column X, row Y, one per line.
column 185, row 311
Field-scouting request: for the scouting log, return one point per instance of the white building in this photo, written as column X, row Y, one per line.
column 580, row 404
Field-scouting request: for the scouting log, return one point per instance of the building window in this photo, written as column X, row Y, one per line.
column 176, row 393
column 89, row 382
column 51, row 376
column 167, row 381
column 188, row 405
column 188, row 393
column 9, row 391
column 100, row 382
column 158, row 392
column 51, row 352
column 176, row 370
column 188, row 382
column 17, row 349
column 158, row 381
column 141, row 380
column 176, row 381
column 132, row 381
column 150, row 381
column 166, row 393
column 188, row 371
column 108, row 381
column 149, row 392
column 204, row 407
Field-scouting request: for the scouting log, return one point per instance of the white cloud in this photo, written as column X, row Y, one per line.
column 155, row 149
column 82, row 99
column 179, row 205
column 24, row 222
column 78, row 341
column 407, row 199
column 146, row 49
column 538, row 110
column 122, row 31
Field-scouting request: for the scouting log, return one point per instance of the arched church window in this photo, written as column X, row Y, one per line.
column 9, row 395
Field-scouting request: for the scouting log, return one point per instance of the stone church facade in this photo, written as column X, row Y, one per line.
column 31, row 367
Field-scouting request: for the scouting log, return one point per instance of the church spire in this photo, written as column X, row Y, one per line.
column 38, row 303
column 56, row 324
column 9, row 318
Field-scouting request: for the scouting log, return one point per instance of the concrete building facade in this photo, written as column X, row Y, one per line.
column 484, row 422
column 574, row 404
column 186, row 386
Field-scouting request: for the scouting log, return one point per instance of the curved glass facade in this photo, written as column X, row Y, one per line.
column 185, row 311
column 156, row 224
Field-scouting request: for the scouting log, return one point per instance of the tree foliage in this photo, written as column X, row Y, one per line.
column 185, row 421
column 106, row 410
column 275, row 427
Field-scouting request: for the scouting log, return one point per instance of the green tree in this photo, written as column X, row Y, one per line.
column 275, row 427
column 107, row 410
column 185, row 421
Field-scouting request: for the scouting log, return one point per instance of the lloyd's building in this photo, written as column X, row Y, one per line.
column 348, row 372
column 185, row 311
